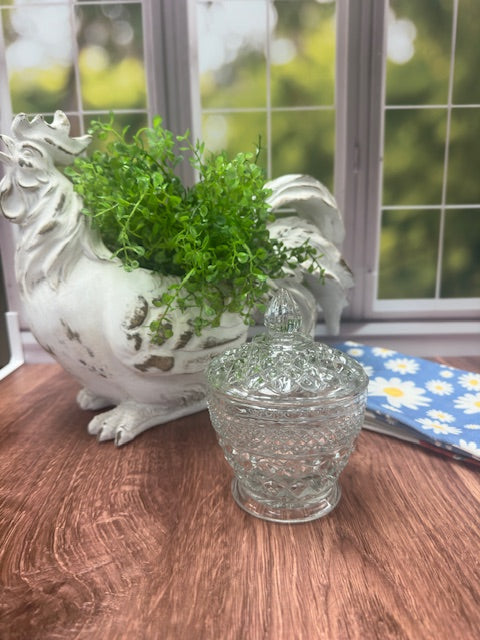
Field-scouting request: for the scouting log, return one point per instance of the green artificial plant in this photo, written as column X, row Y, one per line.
column 213, row 235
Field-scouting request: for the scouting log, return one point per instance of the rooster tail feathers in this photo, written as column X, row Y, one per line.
column 311, row 200
column 316, row 220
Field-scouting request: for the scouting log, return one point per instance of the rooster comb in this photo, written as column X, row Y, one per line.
column 54, row 137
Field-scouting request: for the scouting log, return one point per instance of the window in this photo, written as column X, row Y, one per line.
column 405, row 93
column 85, row 58
column 268, row 68
column 377, row 99
column 429, row 241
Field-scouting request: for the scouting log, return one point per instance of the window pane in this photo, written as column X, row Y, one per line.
column 231, row 49
column 461, row 264
column 408, row 254
column 418, row 51
column 302, row 54
column 304, row 142
column 110, row 58
column 416, row 149
column 134, row 121
column 75, row 125
column 275, row 62
column 466, row 88
column 463, row 184
column 414, row 156
column 39, row 57
column 235, row 132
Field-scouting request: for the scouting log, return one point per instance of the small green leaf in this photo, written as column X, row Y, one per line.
column 242, row 257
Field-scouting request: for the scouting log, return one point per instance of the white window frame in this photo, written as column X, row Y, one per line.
column 172, row 81
column 359, row 99
column 424, row 327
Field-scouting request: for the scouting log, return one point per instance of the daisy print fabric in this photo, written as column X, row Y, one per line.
column 440, row 403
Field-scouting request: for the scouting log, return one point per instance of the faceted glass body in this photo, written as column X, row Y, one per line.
column 287, row 412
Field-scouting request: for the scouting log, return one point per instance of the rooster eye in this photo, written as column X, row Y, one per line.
column 28, row 155
column 31, row 152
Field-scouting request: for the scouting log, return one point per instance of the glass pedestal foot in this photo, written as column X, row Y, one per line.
column 266, row 511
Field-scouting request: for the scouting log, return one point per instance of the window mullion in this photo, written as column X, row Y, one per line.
column 359, row 116
column 441, row 235
column 172, row 67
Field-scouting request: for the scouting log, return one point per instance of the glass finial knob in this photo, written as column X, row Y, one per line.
column 283, row 314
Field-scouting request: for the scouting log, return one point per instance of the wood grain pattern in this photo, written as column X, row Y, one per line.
column 145, row 542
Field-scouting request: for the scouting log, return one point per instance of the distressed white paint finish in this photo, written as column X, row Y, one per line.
column 317, row 220
column 90, row 314
column 84, row 308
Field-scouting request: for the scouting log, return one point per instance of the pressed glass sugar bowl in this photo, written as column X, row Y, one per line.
column 287, row 412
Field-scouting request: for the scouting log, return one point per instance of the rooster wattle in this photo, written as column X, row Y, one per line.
column 93, row 316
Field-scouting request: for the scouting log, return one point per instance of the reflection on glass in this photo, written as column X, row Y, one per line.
column 304, row 142
column 302, row 54
column 110, row 59
column 461, row 260
column 414, row 156
column 463, row 185
column 408, row 254
column 418, row 51
column 466, row 88
column 236, row 132
column 39, row 58
column 231, row 50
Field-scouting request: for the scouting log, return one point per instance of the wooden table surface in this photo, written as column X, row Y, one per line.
column 145, row 542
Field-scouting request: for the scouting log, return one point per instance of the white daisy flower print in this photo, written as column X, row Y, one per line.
column 439, row 387
column 351, row 343
column 443, row 416
column 437, row 426
column 470, row 447
column 402, row 365
column 470, row 381
column 355, row 352
column 446, row 373
column 383, row 353
column 472, row 426
column 389, row 407
column 469, row 403
column 399, row 393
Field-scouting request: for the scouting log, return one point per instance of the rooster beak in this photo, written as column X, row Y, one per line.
column 7, row 158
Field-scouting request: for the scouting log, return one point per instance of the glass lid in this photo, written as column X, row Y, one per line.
column 284, row 364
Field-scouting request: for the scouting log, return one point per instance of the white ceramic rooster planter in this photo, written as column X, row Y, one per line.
column 93, row 316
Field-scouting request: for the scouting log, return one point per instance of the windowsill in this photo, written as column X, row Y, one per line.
column 421, row 338
column 424, row 339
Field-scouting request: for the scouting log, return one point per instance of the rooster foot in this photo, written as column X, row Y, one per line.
column 129, row 419
column 87, row 399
